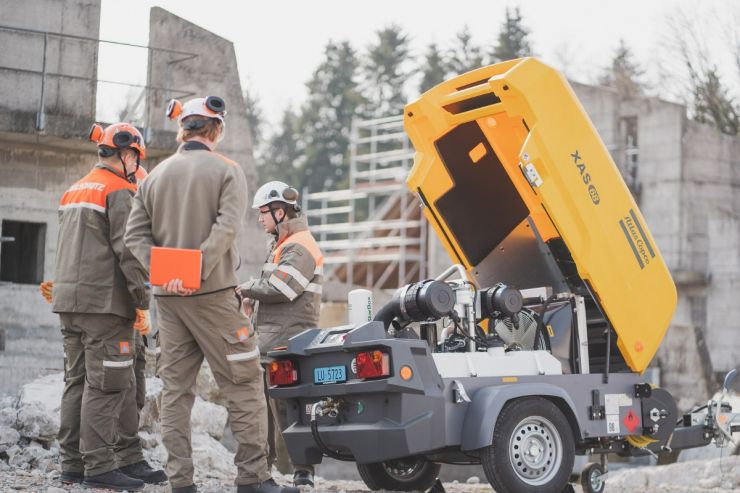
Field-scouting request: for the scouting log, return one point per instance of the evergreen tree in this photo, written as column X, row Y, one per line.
column 464, row 55
column 624, row 74
column 283, row 158
column 326, row 118
column 385, row 73
column 713, row 104
column 433, row 70
column 513, row 39
column 255, row 119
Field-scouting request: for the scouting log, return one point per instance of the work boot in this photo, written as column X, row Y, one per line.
column 142, row 470
column 185, row 489
column 303, row 478
column 268, row 486
column 70, row 477
column 113, row 480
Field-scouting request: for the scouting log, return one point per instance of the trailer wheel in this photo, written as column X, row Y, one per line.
column 532, row 449
column 407, row 474
column 592, row 478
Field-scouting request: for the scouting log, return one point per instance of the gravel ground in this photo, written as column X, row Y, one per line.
column 707, row 476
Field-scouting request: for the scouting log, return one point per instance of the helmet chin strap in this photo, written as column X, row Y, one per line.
column 130, row 177
column 275, row 220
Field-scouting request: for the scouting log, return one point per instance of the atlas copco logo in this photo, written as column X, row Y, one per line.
column 586, row 177
column 637, row 239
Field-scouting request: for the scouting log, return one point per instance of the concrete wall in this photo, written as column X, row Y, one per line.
column 69, row 101
column 32, row 179
column 212, row 72
column 36, row 168
column 711, row 195
column 723, row 309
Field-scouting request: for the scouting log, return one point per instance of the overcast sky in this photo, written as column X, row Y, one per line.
column 280, row 42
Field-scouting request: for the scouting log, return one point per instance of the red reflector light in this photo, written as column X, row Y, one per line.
column 372, row 364
column 282, row 372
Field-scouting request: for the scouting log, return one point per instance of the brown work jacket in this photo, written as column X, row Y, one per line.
column 194, row 199
column 95, row 272
column 289, row 287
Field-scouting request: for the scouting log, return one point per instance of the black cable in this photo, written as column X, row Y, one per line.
column 477, row 340
column 326, row 450
column 541, row 318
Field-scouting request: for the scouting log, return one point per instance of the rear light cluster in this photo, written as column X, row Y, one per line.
column 369, row 364
column 282, row 372
column 372, row 364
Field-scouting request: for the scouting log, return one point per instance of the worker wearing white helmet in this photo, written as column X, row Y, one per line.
column 278, row 194
column 207, row 322
column 211, row 107
column 289, row 296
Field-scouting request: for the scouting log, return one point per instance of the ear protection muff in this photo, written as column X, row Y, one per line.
column 174, row 109
column 96, row 133
column 123, row 139
column 290, row 193
column 215, row 104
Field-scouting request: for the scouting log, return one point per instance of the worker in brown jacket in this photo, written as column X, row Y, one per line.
column 196, row 199
column 98, row 288
column 287, row 295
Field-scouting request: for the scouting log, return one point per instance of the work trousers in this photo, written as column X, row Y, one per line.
column 277, row 419
column 211, row 326
column 99, row 417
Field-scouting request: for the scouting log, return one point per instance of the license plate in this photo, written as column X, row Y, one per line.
column 329, row 374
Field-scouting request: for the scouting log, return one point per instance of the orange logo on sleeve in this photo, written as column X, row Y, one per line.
column 123, row 347
column 242, row 334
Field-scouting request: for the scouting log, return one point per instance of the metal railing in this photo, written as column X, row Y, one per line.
column 106, row 108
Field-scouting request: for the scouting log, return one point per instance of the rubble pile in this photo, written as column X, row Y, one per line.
column 29, row 451
column 29, row 423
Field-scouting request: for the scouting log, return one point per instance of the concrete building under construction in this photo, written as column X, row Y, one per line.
column 50, row 94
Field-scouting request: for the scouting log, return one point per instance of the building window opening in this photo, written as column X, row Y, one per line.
column 22, row 252
column 628, row 129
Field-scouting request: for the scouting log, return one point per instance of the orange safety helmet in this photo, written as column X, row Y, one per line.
column 118, row 136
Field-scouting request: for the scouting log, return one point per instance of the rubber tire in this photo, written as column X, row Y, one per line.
column 591, row 468
column 498, row 468
column 376, row 477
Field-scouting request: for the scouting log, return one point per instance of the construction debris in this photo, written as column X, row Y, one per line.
column 29, row 452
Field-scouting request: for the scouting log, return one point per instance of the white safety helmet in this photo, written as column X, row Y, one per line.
column 211, row 106
column 275, row 191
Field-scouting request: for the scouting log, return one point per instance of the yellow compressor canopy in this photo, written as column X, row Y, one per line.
column 520, row 189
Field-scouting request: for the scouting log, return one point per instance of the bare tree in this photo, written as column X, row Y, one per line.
column 710, row 99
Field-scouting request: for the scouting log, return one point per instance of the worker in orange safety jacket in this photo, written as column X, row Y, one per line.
column 99, row 291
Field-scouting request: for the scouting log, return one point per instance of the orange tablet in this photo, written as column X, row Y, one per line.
column 175, row 263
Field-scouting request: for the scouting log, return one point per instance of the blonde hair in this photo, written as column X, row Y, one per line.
column 211, row 130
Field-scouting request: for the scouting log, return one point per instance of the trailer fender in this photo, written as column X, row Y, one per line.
column 488, row 402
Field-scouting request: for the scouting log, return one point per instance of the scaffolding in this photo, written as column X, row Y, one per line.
column 372, row 233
